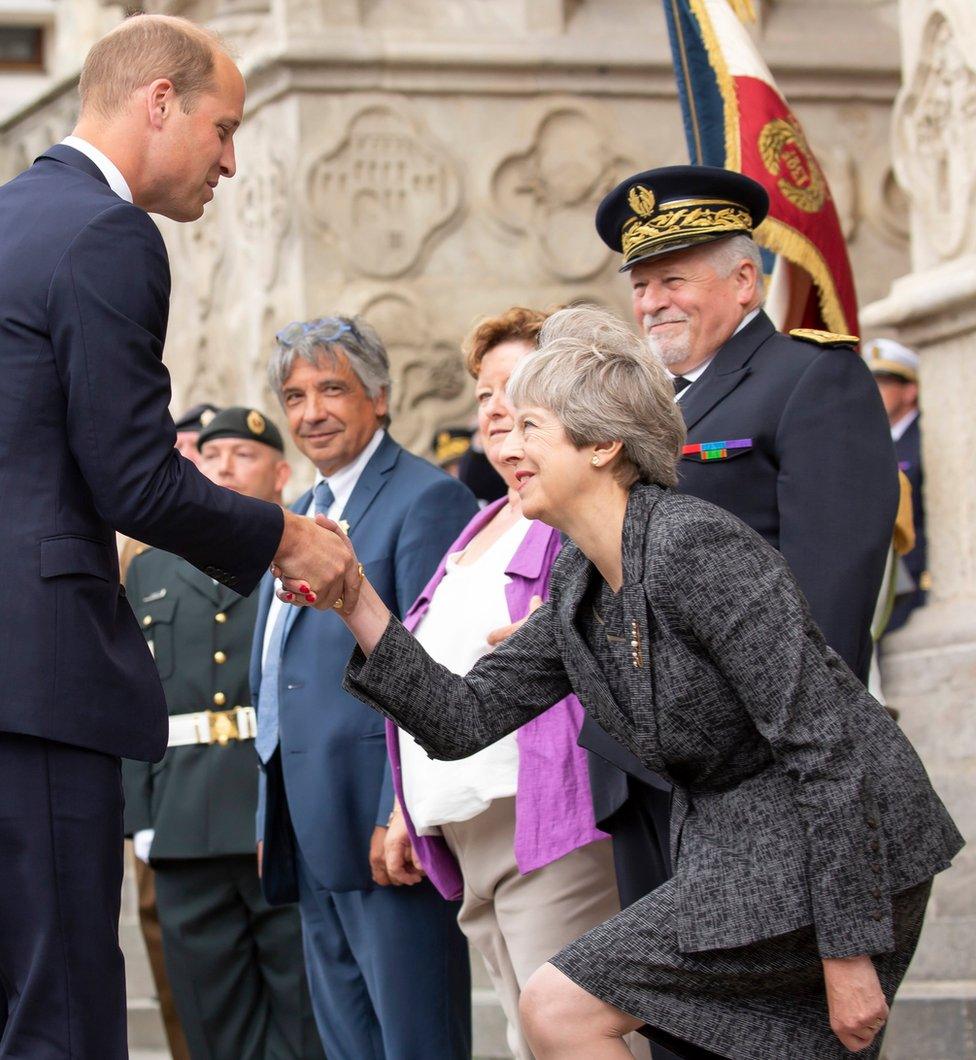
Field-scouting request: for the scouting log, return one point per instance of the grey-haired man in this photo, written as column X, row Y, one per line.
column 387, row 967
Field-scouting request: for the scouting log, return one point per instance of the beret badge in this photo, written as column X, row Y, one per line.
column 255, row 422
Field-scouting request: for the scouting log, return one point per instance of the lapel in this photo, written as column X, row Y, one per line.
column 70, row 157
column 371, row 481
column 640, row 506
column 728, row 368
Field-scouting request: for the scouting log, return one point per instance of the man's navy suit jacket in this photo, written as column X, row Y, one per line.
column 331, row 784
column 86, row 448
column 818, row 480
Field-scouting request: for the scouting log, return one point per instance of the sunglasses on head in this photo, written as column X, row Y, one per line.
column 325, row 329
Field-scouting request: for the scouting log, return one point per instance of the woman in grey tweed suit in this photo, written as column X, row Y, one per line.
column 805, row 832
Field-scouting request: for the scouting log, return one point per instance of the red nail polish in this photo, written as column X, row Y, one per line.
column 310, row 597
column 289, row 596
column 304, row 589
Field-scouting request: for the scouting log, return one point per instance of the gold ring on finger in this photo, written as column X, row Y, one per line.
column 338, row 604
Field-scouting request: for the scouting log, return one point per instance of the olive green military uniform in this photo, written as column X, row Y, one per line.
column 235, row 964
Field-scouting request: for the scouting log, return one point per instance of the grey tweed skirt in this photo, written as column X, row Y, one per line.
column 756, row 1002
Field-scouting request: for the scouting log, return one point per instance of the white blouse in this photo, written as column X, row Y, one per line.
column 466, row 606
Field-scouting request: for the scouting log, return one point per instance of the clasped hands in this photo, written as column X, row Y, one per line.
column 317, row 565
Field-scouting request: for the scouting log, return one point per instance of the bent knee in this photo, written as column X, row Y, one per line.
column 554, row 1011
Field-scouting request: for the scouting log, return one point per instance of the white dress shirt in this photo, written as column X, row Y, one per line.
column 468, row 603
column 342, row 483
column 899, row 428
column 109, row 170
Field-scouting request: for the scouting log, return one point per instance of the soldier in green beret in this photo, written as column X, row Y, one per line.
column 234, row 962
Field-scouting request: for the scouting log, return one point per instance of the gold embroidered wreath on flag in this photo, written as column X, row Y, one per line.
column 783, row 147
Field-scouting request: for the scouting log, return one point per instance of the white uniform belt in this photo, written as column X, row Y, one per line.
column 212, row 726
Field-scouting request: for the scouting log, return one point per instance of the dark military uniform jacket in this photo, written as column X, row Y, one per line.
column 200, row 799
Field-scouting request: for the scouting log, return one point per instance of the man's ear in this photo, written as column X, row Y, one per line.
column 160, row 101
column 747, row 280
column 282, row 475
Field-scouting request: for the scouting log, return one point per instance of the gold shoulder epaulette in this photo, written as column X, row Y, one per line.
column 823, row 338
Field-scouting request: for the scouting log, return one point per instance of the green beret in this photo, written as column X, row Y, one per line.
column 240, row 422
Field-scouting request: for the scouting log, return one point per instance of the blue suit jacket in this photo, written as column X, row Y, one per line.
column 330, row 786
column 86, row 448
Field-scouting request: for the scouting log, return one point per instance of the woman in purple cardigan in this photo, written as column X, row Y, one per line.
column 509, row 830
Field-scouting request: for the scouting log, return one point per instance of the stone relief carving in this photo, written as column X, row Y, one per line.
column 264, row 213
column 383, row 192
column 935, row 131
column 548, row 193
column 431, row 388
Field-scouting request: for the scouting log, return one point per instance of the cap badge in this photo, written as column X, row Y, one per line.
column 255, row 422
column 206, row 416
column 641, row 200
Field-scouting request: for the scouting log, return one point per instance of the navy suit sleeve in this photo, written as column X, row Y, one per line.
column 437, row 516
column 838, row 494
column 108, row 304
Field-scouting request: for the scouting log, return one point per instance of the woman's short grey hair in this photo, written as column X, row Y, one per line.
column 325, row 337
column 598, row 378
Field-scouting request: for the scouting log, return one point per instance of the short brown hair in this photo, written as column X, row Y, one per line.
column 514, row 325
column 141, row 50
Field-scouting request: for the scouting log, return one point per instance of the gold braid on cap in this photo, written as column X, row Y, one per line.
column 688, row 217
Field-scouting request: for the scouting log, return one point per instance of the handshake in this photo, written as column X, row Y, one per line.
column 317, row 565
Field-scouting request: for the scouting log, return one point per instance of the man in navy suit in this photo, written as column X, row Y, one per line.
column 387, row 966
column 87, row 449
column 785, row 432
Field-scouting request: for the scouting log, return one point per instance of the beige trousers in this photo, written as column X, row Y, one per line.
column 518, row 922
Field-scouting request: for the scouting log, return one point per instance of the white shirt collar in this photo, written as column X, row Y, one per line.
column 109, row 170
column 696, row 372
column 343, row 482
column 899, row 428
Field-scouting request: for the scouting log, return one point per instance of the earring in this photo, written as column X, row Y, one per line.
column 595, row 461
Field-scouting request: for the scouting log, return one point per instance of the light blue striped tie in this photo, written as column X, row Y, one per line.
column 268, row 695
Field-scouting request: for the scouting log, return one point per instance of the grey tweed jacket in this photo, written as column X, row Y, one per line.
column 798, row 801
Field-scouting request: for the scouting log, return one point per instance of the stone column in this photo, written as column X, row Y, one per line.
column 930, row 666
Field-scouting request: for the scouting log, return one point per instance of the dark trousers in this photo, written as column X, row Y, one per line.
column 62, row 981
column 152, row 935
column 389, row 972
column 234, row 962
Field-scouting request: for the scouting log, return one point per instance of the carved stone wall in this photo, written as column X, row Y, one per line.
column 929, row 669
column 429, row 162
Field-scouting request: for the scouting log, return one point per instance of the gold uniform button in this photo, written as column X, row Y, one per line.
column 220, row 617
column 219, row 657
column 219, row 699
column 147, row 621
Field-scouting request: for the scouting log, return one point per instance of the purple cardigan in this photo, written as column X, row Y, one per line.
column 553, row 807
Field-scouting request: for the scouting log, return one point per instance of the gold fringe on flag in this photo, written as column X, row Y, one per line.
column 745, row 9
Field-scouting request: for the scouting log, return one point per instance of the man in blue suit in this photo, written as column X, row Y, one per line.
column 387, row 966
column 86, row 448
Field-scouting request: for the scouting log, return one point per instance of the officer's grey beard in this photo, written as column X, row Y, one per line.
column 673, row 350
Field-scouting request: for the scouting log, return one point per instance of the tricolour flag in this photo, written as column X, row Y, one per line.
column 735, row 117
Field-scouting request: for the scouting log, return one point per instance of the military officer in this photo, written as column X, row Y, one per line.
column 786, row 432
column 235, row 963
column 895, row 370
